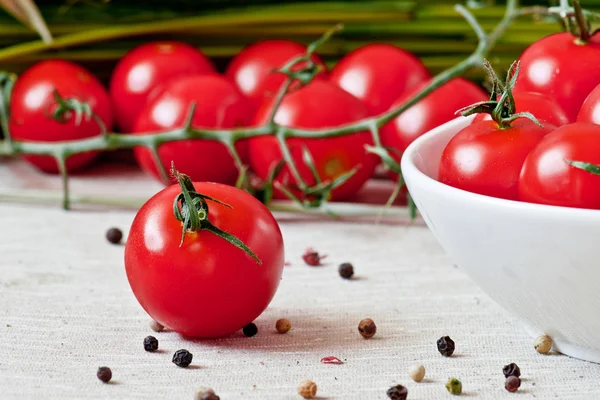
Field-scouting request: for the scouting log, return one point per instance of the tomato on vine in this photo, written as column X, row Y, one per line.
column 252, row 70
column 378, row 74
column 204, row 259
column 320, row 104
column 145, row 68
column 33, row 104
column 557, row 171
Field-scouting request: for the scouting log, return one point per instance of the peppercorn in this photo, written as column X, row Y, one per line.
column 283, row 325
column 397, row 392
column 210, row 396
column 511, row 369
column 114, row 235
column 156, row 326
column 312, row 257
column 454, row 386
column 206, row 394
column 542, row 344
column 250, row 329
column 182, row 358
column 307, row 389
column 367, row 328
column 445, row 346
column 150, row 343
column 346, row 270
column 104, row 374
column 417, row 372
column 512, row 383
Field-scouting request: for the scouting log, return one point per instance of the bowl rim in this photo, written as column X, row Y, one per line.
column 409, row 168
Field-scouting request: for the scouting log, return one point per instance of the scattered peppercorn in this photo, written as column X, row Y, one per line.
column 150, row 343
column 104, row 374
column 182, row 358
column 312, row 257
column 542, row 344
column 346, row 270
column 512, row 383
column 417, row 372
column 511, row 369
column 283, row 325
column 206, row 394
column 397, row 392
column 445, row 346
column 307, row 389
column 210, row 396
column 114, row 235
column 454, row 386
column 367, row 328
column 250, row 329
column 155, row 326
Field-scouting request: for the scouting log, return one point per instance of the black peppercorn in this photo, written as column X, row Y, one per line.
column 445, row 346
column 114, row 235
column 367, row 328
column 210, row 396
column 512, row 383
column 182, row 358
column 511, row 369
column 104, row 374
column 346, row 270
column 150, row 343
column 397, row 392
column 250, row 329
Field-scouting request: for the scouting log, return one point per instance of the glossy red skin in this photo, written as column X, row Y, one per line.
column 206, row 288
column 32, row 104
column 561, row 69
column 378, row 74
column 590, row 110
column 251, row 70
column 486, row 160
column 218, row 105
column 321, row 104
column 144, row 68
column 547, row 179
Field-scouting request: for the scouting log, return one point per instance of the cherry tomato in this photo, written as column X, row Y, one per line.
column 252, row 69
column 320, row 104
column 32, row 104
column 484, row 159
column 562, row 69
column 147, row 66
column 218, row 105
column 435, row 109
column 378, row 74
column 542, row 108
column 590, row 110
column 206, row 287
column 547, row 178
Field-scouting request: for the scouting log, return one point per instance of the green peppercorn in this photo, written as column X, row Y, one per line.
column 182, row 358
column 250, row 330
column 454, row 386
column 150, row 344
column 104, row 374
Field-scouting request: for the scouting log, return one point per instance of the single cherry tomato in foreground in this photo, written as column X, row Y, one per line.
column 320, row 104
column 147, row 67
column 205, row 287
column 541, row 107
column 590, row 110
column 561, row 68
column 548, row 178
column 378, row 74
column 218, row 105
column 32, row 104
column 252, row 69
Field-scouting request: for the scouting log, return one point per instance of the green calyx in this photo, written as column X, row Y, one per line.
column 589, row 167
column 191, row 208
column 501, row 105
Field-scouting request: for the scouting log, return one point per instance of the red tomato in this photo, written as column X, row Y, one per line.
column 32, row 103
column 484, row 159
column 562, row 69
column 320, row 104
column 436, row 109
column 252, row 69
column 378, row 74
column 218, row 105
column 546, row 177
column 205, row 288
column 590, row 110
column 147, row 66
column 542, row 108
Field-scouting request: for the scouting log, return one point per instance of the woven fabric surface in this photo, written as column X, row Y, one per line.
column 66, row 309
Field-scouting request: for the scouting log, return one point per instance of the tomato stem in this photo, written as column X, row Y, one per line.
column 589, row 167
column 582, row 22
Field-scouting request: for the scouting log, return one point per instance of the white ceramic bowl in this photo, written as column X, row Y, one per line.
column 541, row 263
